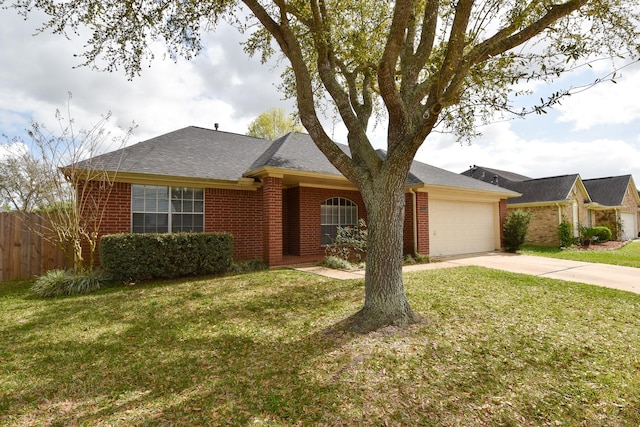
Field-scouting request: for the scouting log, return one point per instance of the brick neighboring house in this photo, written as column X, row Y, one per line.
column 616, row 204
column 603, row 201
column 282, row 199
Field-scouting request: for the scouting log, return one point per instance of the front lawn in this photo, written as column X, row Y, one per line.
column 628, row 255
column 494, row 348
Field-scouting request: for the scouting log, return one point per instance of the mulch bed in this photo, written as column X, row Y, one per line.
column 606, row 246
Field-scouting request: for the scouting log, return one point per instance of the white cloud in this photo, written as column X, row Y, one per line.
column 605, row 104
column 500, row 148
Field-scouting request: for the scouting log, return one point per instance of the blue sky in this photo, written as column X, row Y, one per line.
column 595, row 133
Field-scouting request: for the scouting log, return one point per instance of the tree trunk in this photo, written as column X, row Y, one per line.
column 385, row 299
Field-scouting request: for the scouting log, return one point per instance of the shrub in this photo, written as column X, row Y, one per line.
column 134, row 257
column 594, row 234
column 565, row 234
column 416, row 259
column 515, row 229
column 603, row 234
column 59, row 282
column 349, row 243
column 337, row 263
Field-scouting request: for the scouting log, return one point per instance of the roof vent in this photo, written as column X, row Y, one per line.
column 215, row 126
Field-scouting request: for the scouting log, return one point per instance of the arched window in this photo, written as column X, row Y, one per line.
column 336, row 212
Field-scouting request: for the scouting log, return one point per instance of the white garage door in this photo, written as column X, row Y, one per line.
column 629, row 226
column 460, row 227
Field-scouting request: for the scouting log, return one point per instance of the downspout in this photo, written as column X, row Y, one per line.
column 415, row 221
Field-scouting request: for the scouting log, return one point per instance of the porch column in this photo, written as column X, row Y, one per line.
column 502, row 207
column 272, row 220
column 422, row 223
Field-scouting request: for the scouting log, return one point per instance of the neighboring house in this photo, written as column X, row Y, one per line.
column 616, row 204
column 604, row 201
column 282, row 199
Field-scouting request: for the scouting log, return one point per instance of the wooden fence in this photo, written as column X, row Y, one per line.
column 24, row 253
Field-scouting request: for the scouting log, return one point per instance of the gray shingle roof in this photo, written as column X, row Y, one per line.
column 297, row 151
column 608, row 191
column 191, row 152
column 194, row 152
column 551, row 189
column 487, row 174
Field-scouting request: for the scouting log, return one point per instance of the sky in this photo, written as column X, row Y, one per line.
column 595, row 133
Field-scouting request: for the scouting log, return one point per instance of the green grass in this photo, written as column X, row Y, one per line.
column 628, row 255
column 494, row 348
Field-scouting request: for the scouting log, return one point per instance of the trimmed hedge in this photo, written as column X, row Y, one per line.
column 134, row 257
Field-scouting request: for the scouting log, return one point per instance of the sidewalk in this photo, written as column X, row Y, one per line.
column 610, row 276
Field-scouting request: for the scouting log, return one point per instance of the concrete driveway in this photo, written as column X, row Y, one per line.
column 610, row 276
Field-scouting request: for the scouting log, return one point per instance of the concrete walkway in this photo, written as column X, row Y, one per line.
column 610, row 276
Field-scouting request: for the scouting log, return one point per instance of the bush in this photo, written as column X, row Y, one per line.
column 337, row 263
column 603, row 234
column 59, row 282
column 134, row 257
column 565, row 234
column 416, row 259
column 590, row 235
column 350, row 242
column 516, row 225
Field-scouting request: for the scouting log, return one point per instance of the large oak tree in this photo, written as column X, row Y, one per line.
column 416, row 63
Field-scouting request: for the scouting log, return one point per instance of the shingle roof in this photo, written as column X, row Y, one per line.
column 189, row 152
column 298, row 152
column 194, row 152
column 551, row 189
column 487, row 174
column 608, row 191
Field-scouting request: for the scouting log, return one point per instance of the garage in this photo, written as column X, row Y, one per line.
column 457, row 227
column 629, row 226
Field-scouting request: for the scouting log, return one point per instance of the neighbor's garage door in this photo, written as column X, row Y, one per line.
column 460, row 227
column 629, row 226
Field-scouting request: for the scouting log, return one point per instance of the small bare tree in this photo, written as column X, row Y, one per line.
column 57, row 180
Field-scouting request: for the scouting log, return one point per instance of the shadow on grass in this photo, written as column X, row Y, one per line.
column 175, row 352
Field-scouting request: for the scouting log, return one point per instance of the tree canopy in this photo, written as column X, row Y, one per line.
column 273, row 124
column 418, row 64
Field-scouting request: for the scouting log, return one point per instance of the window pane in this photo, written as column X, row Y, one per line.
column 335, row 212
column 198, row 194
column 138, row 223
column 176, row 206
column 137, row 191
column 198, row 206
column 187, row 206
column 137, row 205
column 163, row 205
column 176, row 193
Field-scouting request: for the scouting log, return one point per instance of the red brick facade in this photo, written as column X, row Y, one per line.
column 272, row 222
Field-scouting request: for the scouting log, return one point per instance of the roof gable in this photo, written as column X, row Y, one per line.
column 608, row 191
column 551, row 189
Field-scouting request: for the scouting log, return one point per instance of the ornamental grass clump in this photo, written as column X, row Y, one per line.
column 59, row 282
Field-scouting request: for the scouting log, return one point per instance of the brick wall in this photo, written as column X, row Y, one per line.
column 307, row 213
column 422, row 210
column 272, row 220
column 502, row 213
column 543, row 228
column 240, row 213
